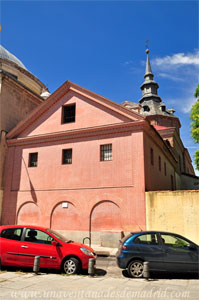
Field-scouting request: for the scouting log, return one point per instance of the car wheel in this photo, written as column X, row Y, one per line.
column 71, row 266
column 136, row 268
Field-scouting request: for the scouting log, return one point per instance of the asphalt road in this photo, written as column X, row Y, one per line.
column 107, row 266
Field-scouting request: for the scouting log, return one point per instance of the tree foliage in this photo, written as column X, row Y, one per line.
column 195, row 125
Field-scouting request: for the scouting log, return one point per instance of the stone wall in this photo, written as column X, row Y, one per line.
column 175, row 211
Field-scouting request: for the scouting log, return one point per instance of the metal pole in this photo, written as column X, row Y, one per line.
column 146, row 270
column 91, row 266
column 36, row 264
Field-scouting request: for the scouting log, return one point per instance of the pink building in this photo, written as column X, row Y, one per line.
column 80, row 164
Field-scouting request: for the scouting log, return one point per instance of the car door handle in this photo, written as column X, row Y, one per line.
column 24, row 246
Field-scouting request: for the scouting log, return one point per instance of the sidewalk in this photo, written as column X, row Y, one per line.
column 20, row 285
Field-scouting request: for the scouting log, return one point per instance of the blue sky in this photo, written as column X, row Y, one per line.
column 100, row 45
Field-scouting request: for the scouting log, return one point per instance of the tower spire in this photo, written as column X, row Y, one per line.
column 148, row 65
column 149, row 86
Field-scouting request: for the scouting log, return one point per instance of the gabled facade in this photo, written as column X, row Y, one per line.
column 81, row 164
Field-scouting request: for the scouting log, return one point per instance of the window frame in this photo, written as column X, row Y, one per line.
column 146, row 242
column 103, row 152
column 65, row 163
column 12, row 229
column 37, row 240
column 30, row 162
column 63, row 118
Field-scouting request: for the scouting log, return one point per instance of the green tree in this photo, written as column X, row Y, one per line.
column 195, row 125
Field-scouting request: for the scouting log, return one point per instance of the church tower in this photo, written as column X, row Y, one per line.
column 152, row 105
column 162, row 119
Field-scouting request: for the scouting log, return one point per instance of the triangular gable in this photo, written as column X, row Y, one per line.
column 63, row 93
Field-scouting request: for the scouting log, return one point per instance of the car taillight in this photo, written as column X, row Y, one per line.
column 124, row 247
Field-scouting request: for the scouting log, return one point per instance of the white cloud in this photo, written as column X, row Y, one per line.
column 188, row 104
column 182, row 104
column 170, row 76
column 178, row 67
column 178, row 59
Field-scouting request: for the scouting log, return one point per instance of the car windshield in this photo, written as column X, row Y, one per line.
column 58, row 235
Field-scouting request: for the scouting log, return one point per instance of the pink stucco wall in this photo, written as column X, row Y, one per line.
column 155, row 177
column 84, row 183
column 102, row 196
column 88, row 114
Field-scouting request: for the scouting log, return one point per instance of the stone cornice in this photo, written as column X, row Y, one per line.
column 24, row 71
column 119, row 128
column 18, row 85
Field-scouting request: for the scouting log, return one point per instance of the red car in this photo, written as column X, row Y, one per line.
column 20, row 244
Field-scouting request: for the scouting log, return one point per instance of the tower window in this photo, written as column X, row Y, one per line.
column 68, row 113
column 106, row 152
column 146, row 108
column 67, row 156
column 33, row 158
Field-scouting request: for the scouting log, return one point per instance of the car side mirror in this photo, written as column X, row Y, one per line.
column 54, row 243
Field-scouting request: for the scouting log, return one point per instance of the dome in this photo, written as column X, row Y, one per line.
column 5, row 54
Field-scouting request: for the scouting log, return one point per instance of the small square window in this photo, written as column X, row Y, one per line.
column 33, row 159
column 68, row 113
column 67, row 157
column 106, row 152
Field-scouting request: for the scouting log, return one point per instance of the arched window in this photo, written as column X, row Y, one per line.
column 146, row 108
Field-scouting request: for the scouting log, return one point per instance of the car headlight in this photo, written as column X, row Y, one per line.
column 87, row 252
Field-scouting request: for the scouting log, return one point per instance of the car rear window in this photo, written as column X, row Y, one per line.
column 12, row 233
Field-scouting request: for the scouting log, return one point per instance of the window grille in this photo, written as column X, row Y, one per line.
column 106, row 152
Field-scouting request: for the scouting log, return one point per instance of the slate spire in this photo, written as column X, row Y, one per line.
column 148, row 71
column 149, row 86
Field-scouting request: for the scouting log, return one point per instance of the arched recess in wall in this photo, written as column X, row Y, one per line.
column 105, row 216
column 64, row 216
column 28, row 213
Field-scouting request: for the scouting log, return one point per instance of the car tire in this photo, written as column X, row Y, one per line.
column 71, row 266
column 136, row 268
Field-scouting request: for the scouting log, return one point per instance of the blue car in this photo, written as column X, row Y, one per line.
column 164, row 251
